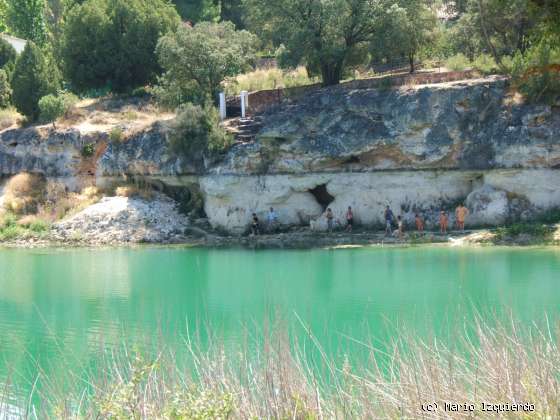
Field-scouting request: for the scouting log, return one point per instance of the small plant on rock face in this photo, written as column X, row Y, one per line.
column 116, row 135
column 88, row 150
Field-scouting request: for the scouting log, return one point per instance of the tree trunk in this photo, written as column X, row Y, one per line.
column 411, row 62
column 331, row 73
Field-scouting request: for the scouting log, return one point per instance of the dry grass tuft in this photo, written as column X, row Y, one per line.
column 134, row 191
column 23, row 192
column 272, row 78
column 8, row 118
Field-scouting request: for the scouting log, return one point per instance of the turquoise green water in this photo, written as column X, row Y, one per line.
column 55, row 302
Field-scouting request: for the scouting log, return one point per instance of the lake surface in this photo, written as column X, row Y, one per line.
column 76, row 302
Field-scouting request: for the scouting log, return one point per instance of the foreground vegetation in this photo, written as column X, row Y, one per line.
column 275, row 377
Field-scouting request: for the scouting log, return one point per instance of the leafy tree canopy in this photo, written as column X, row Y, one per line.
column 322, row 34
column 7, row 53
column 404, row 29
column 112, row 42
column 198, row 59
column 26, row 19
column 33, row 78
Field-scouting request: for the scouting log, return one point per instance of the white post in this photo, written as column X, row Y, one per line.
column 222, row 106
column 243, row 105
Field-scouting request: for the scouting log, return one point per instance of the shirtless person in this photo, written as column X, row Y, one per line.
column 443, row 221
column 400, row 227
column 419, row 223
column 461, row 214
column 349, row 219
column 330, row 220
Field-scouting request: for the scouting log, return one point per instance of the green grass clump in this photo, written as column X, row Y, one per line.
column 116, row 135
column 458, row 62
column 538, row 232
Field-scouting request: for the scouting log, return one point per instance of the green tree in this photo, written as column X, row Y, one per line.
column 197, row 60
column 404, row 29
column 112, row 42
column 51, row 107
column 5, row 90
column 3, row 15
column 7, row 54
column 322, row 34
column 196, row 11
column 33, row 78
column 26, row 19
column 233, row 11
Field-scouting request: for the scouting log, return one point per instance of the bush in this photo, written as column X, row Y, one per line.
column 196, row 131
column 8, row 117
column 5, row 90
column 111, row 43
column 458, row 62
column 88, row 150
column 536, row 73
column 52, row 107
column 32, row 79
column 486, row 64
column 116, row 135
column 23, row 193
column 197, row 60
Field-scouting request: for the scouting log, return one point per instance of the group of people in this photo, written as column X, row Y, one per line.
column 461, row 214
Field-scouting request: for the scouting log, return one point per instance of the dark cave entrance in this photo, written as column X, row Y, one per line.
column 322, row 195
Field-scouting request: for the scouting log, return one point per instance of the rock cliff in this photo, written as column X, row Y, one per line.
column 416, row 148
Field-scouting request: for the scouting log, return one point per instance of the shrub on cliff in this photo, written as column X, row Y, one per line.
column 5, row 90
column 52, row 107
column 23, row 192
column 198, row 59
column 33, row 78
column 112, row 42
column 196, row 132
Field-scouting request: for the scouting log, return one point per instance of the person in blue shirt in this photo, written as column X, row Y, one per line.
column 272, row 220
column 389, row 216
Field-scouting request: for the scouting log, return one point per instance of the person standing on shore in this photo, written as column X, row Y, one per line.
column 349, row 219
column 400, row 227
column 461, row 214
column 272, row 220
column 330, row 220
column 443, row 221
column 255, row 225
column 419, row 223
column 388, row 221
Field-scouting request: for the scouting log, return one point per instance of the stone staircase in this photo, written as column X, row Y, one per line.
column 245, row 129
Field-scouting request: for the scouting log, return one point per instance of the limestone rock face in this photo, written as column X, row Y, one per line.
column 230, row 200
column 487, row 204
column 49, row 152
column 419, row 149
column 461, row 125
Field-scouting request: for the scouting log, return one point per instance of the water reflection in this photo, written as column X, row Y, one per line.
column 79, row 301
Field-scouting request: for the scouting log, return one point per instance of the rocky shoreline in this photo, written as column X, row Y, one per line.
column 298, row 239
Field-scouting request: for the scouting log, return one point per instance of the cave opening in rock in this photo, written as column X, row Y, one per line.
column 322, row 195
